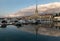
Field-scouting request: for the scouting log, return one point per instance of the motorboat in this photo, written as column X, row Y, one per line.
column 3, row 23
column 18, row 24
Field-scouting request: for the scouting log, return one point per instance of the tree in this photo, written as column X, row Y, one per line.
column 56, row 14
column 59, row 13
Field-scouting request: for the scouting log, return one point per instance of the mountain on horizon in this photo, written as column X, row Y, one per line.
column 49, row 8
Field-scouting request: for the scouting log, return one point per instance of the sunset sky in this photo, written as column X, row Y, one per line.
column 11, row 6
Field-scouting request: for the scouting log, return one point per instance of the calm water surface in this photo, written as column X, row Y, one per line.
column 12, row 33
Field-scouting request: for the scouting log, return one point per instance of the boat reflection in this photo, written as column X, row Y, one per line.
column 3, row 26
column 50, row 28
column 46, row 29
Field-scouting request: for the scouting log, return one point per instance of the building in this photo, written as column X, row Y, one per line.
column 46, row 17
column 39, row 16
column 57, row 18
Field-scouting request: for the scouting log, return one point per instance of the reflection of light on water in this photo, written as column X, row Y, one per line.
column 27, row 28
column 48, row 29
column 45, row 29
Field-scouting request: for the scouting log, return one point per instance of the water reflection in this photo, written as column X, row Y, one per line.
column 31, row 32
column 54, row 25
column 3, row 26
column 51, row 29
column 48, row 29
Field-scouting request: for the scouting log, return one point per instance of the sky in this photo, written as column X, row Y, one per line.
column 11, row 6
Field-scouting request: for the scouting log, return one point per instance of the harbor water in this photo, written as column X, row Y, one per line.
column 29, row 33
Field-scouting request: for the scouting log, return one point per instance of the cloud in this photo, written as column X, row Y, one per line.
column 42, row 9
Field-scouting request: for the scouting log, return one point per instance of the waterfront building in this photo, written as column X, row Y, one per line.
column 36, row 15
column 57, row 18
column 46, row 17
